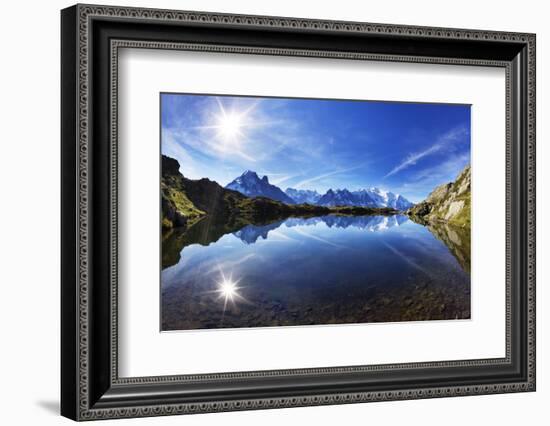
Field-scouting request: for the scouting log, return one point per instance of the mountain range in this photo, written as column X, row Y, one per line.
column 251, row 233
column 251, row 185
column 185, row 202
column 303, row 196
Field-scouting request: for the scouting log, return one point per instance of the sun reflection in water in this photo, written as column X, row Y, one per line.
column 228, row 290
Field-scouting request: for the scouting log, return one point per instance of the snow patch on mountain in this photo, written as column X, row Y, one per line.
column 372, row 197
column 303, row 196
column 251, row 185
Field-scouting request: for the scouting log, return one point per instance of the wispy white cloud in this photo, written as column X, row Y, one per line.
column 412, row 159
column 447, row 170
column 261, row 135
column 267, row 131
column 325, row 175
column 452, row 135
column 173, row 149
column 426, row 180
column 281, row 179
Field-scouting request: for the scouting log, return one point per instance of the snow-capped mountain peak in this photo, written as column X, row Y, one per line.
column 303, row 196
column 250, row 184
column 338, row 197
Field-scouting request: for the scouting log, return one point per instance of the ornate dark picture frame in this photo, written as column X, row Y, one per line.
column 90, row 385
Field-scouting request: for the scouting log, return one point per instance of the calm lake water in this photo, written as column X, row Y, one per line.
column 322, row 270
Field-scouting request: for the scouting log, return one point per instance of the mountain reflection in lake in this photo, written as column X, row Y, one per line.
column 321, row 270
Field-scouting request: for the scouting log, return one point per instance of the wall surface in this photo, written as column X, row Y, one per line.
column 29, row 213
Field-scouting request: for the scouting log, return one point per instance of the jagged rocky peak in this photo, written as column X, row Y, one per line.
column 372, row 197
column 170, row 166
column 338, row 197
column 384, row 198
column 250, row 184
column 303, row 196
column 250, row 173
column 401, row 203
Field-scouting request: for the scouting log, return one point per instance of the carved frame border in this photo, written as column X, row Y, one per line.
column 87, row 12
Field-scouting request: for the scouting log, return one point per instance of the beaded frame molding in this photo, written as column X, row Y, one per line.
column 91, row 39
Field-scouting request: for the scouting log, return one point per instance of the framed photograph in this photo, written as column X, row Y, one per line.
column 264, row 212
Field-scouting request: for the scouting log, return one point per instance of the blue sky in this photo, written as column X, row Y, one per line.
column 406, row 148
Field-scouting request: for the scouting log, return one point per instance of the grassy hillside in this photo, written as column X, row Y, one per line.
column 449, row 203
column 177, row 209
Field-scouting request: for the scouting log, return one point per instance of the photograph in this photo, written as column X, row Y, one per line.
column 293, row 212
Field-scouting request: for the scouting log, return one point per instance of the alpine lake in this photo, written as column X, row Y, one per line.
column 332, row 269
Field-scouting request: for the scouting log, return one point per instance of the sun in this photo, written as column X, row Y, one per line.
column 230, row 126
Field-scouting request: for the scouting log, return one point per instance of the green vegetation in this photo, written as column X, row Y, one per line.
column 361, row 211
column 177, row 209
column 457, row 239
column 449, row 203
column 185, row 202
column 463, row 194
